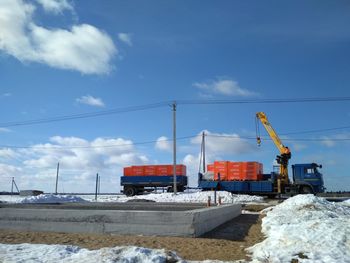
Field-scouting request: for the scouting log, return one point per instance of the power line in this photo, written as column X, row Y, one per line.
column 318, row 130
column 285, row 139
column 84, row 115
column 263, row 101
column 167, row 103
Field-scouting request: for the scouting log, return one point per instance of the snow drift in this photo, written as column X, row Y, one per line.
column 306, row 228
column 70, row 254
column 50, row 198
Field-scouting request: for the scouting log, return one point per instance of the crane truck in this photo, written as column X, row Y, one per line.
column 306, row 177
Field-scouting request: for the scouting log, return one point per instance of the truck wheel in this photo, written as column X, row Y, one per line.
column 306, row 190
column 130, row 191
column 170, row 189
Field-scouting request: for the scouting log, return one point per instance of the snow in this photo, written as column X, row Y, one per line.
column 31, row 253
column 306, row 228
column 186, row 197
column 196, row 197
column 50, row 198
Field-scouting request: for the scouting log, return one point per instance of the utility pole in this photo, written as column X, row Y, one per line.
column 14, row 184
column 203, row 145
column 97, row 183
column 174, row 145
column 58, row 169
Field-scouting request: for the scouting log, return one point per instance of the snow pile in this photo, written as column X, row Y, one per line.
column 197, row 197
column 65, row 254
column 306, row 228
column 50, row 198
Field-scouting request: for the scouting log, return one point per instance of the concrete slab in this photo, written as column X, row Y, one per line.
column 190, row 220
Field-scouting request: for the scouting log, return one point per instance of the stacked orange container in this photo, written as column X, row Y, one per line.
column 234, row 171
column 154, row 170
column 220, row 167
column 251, row 171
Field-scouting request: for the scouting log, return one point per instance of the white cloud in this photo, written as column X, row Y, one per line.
column 83, row 47
column 7, row 94
column 55, row 6
column 126, row 38
column 227, row 87
column 163, row 144
column 79, row 159
column 4, row 130
column 223, row 143
column 7, row 153
column 90, row 100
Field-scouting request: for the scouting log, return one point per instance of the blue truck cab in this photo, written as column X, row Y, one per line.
column 307, row 178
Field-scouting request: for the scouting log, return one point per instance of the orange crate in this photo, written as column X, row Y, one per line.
column 128, row 171
column 150, row 170
column 251, row 171
column 220, row 167
column 169, row 170
column 138, row 170
column 210, row 168
column 234, row 171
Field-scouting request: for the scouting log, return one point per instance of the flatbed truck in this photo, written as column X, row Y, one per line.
column 306, row 180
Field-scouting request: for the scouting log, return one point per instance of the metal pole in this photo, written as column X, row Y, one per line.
column 12, row 185
column 203, row 143
column 99, row 184
column 14, row 182
column 174, row 145
column 96, row 187
column 58, row 169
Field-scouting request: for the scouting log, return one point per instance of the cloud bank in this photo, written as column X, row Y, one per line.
column 82, row 48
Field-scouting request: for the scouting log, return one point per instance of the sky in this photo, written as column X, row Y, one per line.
column 132, row 59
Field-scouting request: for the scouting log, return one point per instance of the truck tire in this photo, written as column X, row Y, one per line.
column 305, row 190
column 130, row 191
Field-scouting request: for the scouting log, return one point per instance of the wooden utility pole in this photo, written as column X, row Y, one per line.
column 174, row 146
column 58, row 168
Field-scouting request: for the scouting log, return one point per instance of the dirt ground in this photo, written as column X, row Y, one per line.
column 227, row 242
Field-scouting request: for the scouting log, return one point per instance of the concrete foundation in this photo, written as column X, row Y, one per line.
column 135, row 219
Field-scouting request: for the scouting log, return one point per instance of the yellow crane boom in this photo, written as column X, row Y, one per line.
column 285, row 153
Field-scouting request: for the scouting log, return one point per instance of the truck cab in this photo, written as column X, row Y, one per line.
column 307, row 178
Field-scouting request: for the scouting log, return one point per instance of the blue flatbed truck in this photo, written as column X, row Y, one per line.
column 306, row 179
column 133, row 185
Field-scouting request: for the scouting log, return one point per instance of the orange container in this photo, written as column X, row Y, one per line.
column 234, row 171
column 169, row 170
column 252, row 171
column 162, row 170
column 220, row 167
column 128, row 171
column 150, row 170
column 138, row 170
column 210, row 168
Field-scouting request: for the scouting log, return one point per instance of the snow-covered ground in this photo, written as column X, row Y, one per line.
column 304, row 227
column 30, row 253
column 307, row 228
column 197, row 197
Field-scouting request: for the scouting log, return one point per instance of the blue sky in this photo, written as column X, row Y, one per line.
column 62, row 57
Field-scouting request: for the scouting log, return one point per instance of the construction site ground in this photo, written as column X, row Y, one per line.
column 227, row 242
